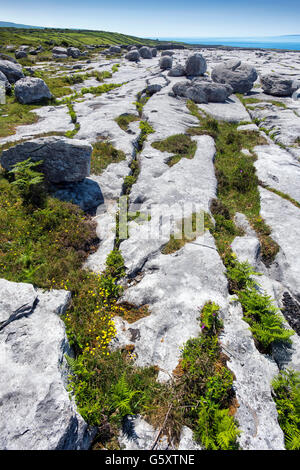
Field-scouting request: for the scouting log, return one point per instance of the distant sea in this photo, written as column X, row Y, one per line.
column 291, row 42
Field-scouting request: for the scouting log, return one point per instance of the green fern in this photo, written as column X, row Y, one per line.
column 286, row 391
column 122, row 398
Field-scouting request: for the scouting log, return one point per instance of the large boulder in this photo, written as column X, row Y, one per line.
column 73, row 52
column 277, row 85
column 133, row 55
column 36, row 410
column 238, row 75
column 31, row 90
column 154, row 52
column 63, row 160
column 12, row 71
column 202, row 91
column 166, row 62
column 114, row 50
column 195, row 65
column 145, row 52
column 177, row 71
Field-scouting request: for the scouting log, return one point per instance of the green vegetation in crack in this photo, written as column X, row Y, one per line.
column 181, row 145
column 125, row 119
column 103, row 155
column 286, row 394
column 237, row 183
column 265, row 320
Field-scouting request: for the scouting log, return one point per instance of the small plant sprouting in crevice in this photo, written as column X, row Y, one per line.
column 286, row 394
column 125, row 119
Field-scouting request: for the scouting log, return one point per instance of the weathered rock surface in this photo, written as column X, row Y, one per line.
column 63, row 160
column 177, row 71
column 36, row 411
column 238, row 75
column 31, row 90
column 12, row 71
column 284, row 219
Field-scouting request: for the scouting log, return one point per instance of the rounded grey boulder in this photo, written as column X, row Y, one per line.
column 145, row 52
column 114, row 50
column 31, row 90
column 20, row 54
column 63, row 160
column 238, row 75
column 177, row 71
column 12, row 71
column 166, row 62
column 277, row 85
column 133, row 55
column 154, row 52
column 195, row 65
column 73, row 52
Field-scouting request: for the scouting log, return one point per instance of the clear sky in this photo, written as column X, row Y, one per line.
column 161, row 18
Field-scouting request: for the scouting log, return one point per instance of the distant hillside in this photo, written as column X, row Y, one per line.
column 6, row 24
column 66, row 37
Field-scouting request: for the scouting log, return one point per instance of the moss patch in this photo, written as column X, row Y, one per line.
column 180, row 145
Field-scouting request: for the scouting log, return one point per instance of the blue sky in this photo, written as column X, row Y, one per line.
column 161, row 18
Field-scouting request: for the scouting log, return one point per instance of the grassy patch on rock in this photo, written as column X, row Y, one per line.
column 14, row 114
column 181, row 145
column 103, row 155
column 125, row 119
